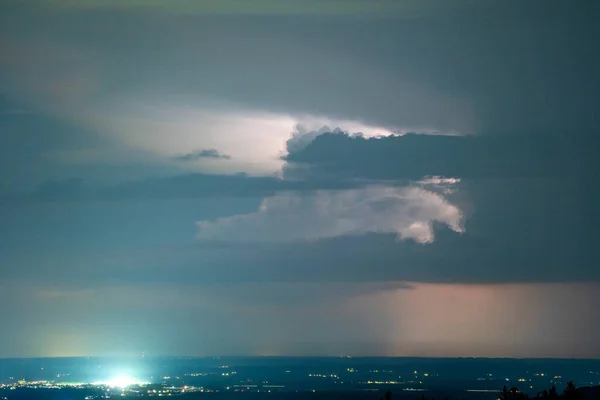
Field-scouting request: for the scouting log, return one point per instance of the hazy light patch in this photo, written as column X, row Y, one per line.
column 121, row 381
column 153, row 121
column 360, row 318
column 482, row 320
column 149, row 124
column 408, row 212
column 439, row 180
column 254, row 141
column 440, row 184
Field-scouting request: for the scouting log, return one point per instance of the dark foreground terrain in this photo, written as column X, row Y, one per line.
column 296, row 378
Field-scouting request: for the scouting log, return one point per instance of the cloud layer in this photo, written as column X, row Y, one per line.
column 381, row 8
column 408, row 212
column 413, row 156
column 204, row 153
column 124, row 147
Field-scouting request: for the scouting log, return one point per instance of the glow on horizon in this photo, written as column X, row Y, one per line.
column 121, row 381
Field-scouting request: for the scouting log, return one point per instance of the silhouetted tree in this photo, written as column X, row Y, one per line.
column 548, row 394
column 570, row 388
column 570, row 392
column 512, row 394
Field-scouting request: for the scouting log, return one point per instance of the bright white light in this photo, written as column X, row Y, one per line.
column 121, row 382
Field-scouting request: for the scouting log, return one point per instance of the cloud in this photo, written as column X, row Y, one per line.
column 439, row 180
column 437, row 73
column 302, row 137
column 409, row 212
column 244, row 87
column 305, row 132
column 254, row 141
column 178, row 186
column 446, row 186
column 514, row 230
column 405, row 8
column 117, row 90
column 15, row 112
column 204, row 153
column 179, row 79
column 526, row 217
column 414, row 156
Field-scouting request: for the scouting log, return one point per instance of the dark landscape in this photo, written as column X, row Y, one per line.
column 293, row 377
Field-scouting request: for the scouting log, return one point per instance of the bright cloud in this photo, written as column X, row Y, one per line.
column 408, row 212
column 255, row 141
column 246, row 110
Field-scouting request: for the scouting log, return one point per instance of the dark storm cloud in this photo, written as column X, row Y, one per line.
column 337, row 161
column 39, row 150
column 518, row 230
column 529, row 200
column 204, row 153
column 413, row 156
column 503, row 67
column 116, row 94
column 470, row 258
column 529, row 205
column 187, row 186
column 409, row 8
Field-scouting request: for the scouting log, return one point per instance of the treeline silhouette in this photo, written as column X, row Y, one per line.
column 570, row 392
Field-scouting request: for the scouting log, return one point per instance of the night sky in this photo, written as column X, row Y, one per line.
column 315, row 177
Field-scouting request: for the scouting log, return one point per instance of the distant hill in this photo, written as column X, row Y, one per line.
column 590, row 392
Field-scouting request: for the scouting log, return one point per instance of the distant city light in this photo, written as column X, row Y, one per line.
column 121, row 382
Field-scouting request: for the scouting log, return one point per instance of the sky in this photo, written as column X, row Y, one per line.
column 387, row 177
